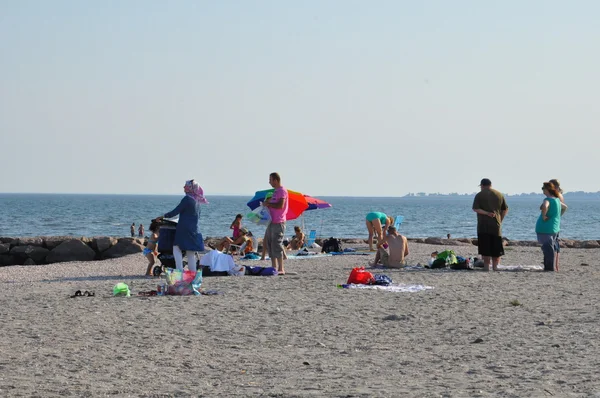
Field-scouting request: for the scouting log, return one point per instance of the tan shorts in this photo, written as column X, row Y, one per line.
column 385, row 259
column 274, row 237
column 384, row 256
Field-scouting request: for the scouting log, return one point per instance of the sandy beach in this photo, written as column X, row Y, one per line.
column 507, row 333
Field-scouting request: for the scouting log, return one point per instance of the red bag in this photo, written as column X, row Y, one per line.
column 360, row 276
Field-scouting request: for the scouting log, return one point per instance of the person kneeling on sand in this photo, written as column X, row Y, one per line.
column 397, row 250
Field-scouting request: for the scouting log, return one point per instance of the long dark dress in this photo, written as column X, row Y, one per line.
column 187, row 233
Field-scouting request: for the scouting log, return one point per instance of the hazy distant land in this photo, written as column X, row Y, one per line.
column 567, row 195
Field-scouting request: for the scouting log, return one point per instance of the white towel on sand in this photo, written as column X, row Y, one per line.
column 396, row 288
column 217, row 261
column 502, row 267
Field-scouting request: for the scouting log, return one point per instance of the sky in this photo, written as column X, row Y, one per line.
column 342, row 98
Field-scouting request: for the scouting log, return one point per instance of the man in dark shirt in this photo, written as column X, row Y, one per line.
column 491, row 209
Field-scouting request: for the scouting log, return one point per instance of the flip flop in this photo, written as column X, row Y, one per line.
column 84, row 294
column 148, row 293
column 210, row 292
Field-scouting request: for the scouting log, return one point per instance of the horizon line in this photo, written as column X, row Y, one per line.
column 407, row 195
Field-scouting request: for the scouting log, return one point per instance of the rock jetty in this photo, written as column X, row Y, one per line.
column 58, row 249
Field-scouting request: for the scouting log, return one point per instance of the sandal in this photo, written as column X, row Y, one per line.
column 84, row 294
column 148, row 293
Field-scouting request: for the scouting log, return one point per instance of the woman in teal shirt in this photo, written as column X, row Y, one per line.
column 548, row 224
column 377, row 223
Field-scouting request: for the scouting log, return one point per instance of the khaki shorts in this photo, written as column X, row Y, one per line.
column 384, row 256
column 274, row 236
column 385, row 259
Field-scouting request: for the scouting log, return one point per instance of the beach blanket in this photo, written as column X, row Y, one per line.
column 396, row 288
column 356, row 253
column 308, row 255
column 501, row 267
column 294, row 256
column 371, row 267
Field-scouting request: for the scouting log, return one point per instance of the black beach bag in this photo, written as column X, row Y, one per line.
column 332, row 245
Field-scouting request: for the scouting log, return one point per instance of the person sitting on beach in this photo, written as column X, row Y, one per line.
column 150, row 251
column 397, row 250
column 377, row 224
column 297, row 240
column 236, row 225
column 226, row 242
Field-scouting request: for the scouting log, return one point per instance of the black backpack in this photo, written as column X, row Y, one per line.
column 332, row 245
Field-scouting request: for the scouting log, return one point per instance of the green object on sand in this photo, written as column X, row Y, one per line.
column 121, row 289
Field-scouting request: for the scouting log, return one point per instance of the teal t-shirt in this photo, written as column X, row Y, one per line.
column 552, row 225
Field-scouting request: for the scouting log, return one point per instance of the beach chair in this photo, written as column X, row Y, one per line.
column 312, row 236
column 398, row 221
column 240, row 248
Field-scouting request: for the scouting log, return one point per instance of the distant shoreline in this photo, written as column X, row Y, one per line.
column 410, row 195
column 567, row 195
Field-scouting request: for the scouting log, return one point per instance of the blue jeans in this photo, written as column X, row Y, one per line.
column 550, row 247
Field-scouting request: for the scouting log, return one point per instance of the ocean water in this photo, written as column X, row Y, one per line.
column 111, row 215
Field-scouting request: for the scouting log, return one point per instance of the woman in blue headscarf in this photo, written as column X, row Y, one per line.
column 187, row 232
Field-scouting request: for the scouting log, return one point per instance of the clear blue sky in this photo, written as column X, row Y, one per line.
column 342, row 97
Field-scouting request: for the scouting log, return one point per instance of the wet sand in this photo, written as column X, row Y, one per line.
column 504, row 333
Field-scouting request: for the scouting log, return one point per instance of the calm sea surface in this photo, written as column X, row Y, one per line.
column 111, row 215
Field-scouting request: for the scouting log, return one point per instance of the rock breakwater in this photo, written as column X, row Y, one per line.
column 58, row 249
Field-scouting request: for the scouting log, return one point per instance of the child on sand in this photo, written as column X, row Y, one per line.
column 150, row 251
